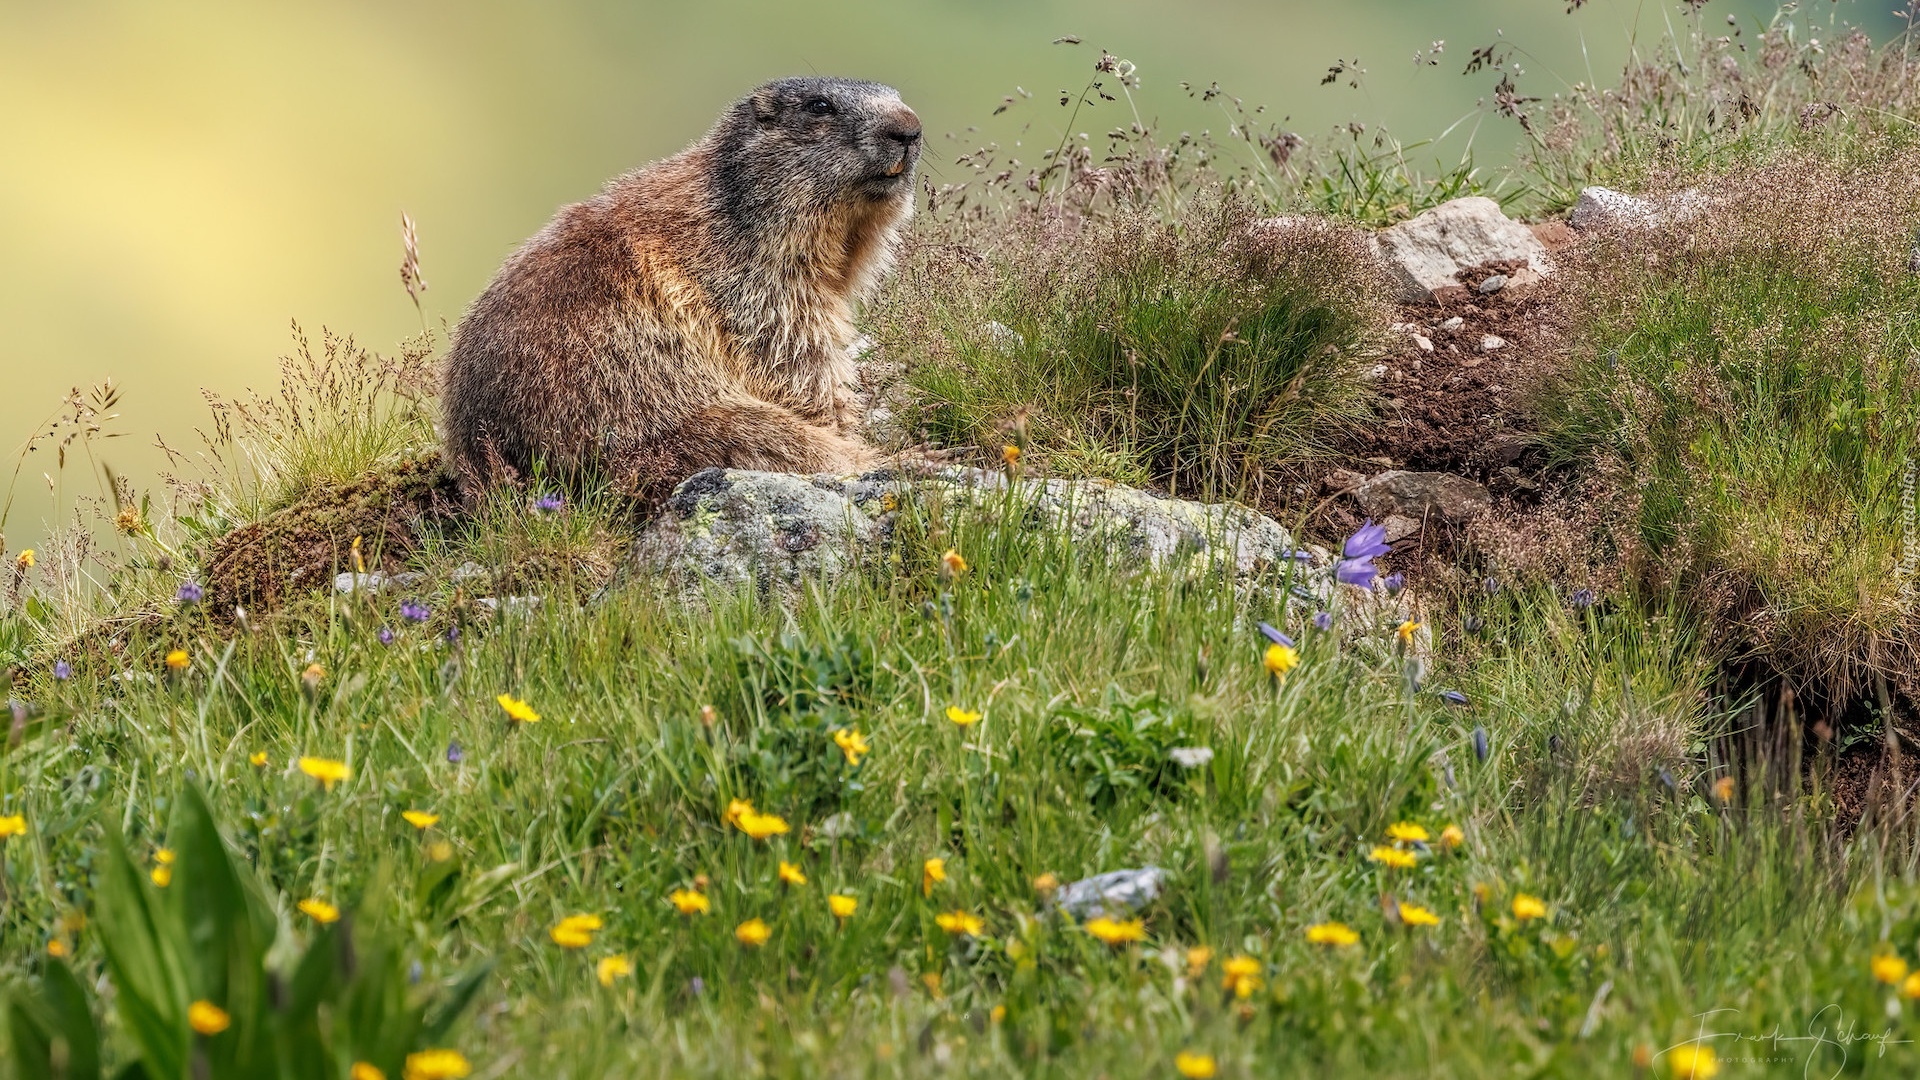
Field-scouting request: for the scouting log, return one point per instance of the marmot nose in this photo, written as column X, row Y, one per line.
column 901, row 126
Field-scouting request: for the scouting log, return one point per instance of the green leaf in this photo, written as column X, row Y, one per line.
column 53, row 1033
column 143, row 944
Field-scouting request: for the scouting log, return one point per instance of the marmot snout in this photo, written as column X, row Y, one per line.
column 698, row 311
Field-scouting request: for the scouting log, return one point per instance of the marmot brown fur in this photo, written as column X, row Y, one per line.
column 698, row 311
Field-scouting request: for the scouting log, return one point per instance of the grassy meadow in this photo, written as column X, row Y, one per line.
column 1597, row 830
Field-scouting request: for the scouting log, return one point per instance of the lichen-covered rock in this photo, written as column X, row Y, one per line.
column 1429, row 251
column 1116, row 892
column 729, row 528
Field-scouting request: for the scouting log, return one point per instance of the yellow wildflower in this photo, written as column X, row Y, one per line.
column 1280, row 659
column 737, row 809
column 761, row 826
column 437, row 1065
column 997, row 1013
column 842, row 906
column 56, row 948
column 1115, row 932
column 688, row 902
column 791, row 875
column 1010, row 454
column 1242, row 976
column 1338, row 935
column 162, row 876
column 127, row 520
column 1393, row 858
column 326, row 770
column 612, row 967
column 257, row 759
column 1723, row 789
column 1910, row 988
column 1407, row 832
column 959, row 922
column 518, row 711
column 1405, row 631
column 1527, row 906
column 313, row 675
column 177, row 660
column 163, row 856
column 1195, row 1066
column 1694, row 1063
column 207, row 1018
column 439, row 851
column 13, row 825
column 1198, row 958
column 365, row 1071
column 932, row 872
column 753, row 933
column 1415, row 915
column 420, row 819
column 24, row 561
column 951, row 564
column 319, row 911
column 575, row 931
column 1888, row 968
column 852, row 743
column 1452, row 836
column 1046, row 883
column 962, row 716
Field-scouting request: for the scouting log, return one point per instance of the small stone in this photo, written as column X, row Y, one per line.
column 1454, row 323
column 1491, row 342
column 1113, row 892
column 1493, row 284
column 1425, row 343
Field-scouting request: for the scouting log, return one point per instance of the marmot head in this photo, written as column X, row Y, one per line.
column 810, row 143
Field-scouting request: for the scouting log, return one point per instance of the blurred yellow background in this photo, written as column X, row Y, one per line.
column 180, row 180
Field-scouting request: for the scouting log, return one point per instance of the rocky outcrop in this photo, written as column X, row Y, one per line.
column 1605, row 208
column 1429, row 252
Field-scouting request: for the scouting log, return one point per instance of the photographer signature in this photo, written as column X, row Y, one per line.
column 1827, row 1027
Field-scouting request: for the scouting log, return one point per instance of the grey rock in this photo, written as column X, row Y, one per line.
column 1430, row 251
column 510, row 605
column 372, row 582
column 1114, row 893
column 1454, row 323
column 1418, row 496
column 1425, row 343
column 1605, row 208
column 1491, row 342
column 1493, row 284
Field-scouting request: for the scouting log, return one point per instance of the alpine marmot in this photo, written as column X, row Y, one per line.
column 698, row 311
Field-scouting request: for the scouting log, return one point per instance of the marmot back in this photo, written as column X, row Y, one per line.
column 697, row 312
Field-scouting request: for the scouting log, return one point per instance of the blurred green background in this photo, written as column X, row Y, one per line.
column 179, row 181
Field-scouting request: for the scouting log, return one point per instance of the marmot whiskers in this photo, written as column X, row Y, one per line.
column 698, row 311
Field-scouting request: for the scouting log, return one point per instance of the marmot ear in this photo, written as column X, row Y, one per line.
column 765, row 106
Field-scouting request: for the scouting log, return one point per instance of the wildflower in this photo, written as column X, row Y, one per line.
column 414, row 611
column 1195, row 1066
column 612, row 967
column 190, row 592
column 24, row 561
column 962, row 716
column 1191, row 757
column 1242, row 975
column 437, row 1065
column 761, row 826
column 1910, row 987
column 162, row 876
column 737, row 809
column 1273, row 634
column 518, row 711
column 1694, row 1063
column 1452, row 697
column 177, row 660
column 127, row 520
column 1723, row 789
column 163, row 856
column 384, row 636
column 1365, row 545
column 1010, row 454
column 549, row 503
column 997, row 1013
column 1279, row 660
column 454, row 754
column 319, row 911
column 951, row 564
column 1452, row 836
column 852, row 744
column 1490, row 586
column 62, row 670
column 1046, row 883
column 1582, row 599
column 932, row 872
column 365, row 1071
column 56, row 948
column 753, row 933
column 791, row 875
column 312, row 676
column 207, row 1018
column 1405, row 631
column 13, row 825
column 1114, row 932
column 1323, row 620
column 1415, row 915
column 1527, row 906
column 1198, row 958
column 257, row 759
column 1888, row 968
column 1480, row 748
column 959, row 922
column 439, row 851
column 326, row 770
column 1394, row 582
column 1338, row 935
column 688, row 902
column 1393, row 858
column 420, row 819
column 1407, row 832
column 842, row 906
column 575, row 931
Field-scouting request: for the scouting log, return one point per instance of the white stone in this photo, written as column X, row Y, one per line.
column 1430, row 251
column 1602, row 208
column 1492, row 342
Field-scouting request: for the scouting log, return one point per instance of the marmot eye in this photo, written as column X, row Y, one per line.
column 819, row 106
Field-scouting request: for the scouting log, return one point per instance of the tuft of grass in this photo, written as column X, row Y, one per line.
column 1202, row 352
